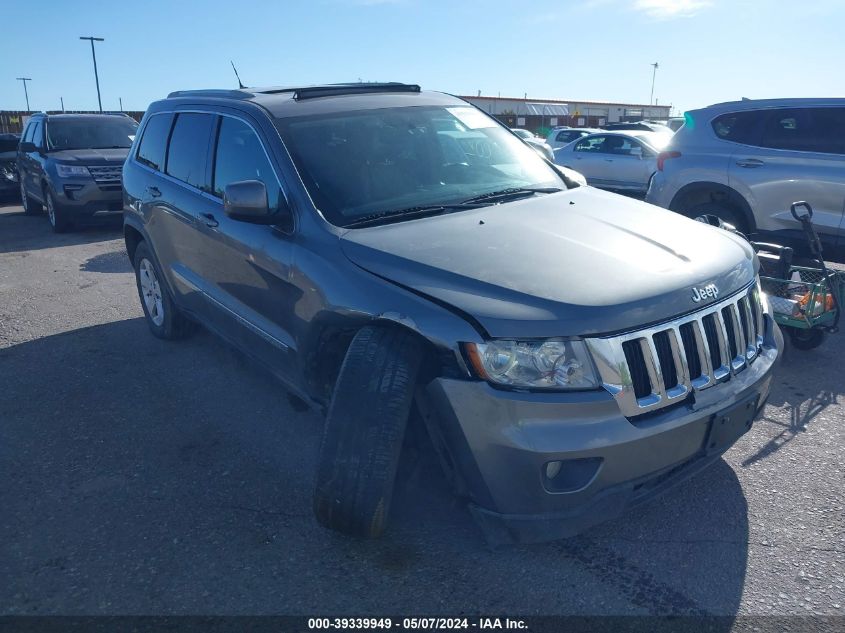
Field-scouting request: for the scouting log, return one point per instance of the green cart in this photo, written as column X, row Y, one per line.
column 805, row 300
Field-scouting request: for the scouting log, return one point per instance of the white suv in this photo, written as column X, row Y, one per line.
column 748, row 161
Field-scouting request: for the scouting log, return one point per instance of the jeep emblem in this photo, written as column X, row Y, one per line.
column 710, row 291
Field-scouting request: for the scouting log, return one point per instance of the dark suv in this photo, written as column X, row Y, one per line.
column 71, row 165
column 386, row 250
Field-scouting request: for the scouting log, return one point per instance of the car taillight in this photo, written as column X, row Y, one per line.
column 663, row 156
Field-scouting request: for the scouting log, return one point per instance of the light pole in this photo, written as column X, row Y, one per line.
column 653, row 75
column 25, row 93
column 96, row 76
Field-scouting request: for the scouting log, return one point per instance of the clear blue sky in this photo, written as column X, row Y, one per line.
column 601, row 50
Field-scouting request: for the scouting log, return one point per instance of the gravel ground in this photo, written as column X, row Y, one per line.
column 145, row 477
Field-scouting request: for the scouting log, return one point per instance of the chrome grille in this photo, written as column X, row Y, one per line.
column 655, row 367
column 106, row 175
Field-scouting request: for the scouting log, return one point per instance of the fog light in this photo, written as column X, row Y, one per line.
column 570, row 475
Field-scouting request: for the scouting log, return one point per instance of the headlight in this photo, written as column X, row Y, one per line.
column 67, row 171
column 551, row 364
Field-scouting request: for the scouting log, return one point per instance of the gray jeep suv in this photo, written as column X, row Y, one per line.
column 387, row 251
column 70, row 165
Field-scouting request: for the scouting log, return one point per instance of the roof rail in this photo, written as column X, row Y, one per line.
column 332, row 90
column 221, row 93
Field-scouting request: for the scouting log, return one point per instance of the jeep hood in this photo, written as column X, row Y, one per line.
column 575, row 263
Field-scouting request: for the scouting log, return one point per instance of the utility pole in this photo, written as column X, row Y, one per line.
column 62, row 99
column 96, row 76
column 121, row 103
column 26, row 94
column 653, row 75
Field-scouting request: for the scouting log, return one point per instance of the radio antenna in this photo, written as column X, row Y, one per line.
column 240, row 84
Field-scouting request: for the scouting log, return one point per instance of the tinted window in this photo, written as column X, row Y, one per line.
column 187, row 153
column 805, row 130
column 240, row 156
column 27, row 135
column 154, row 142
column 739, row 127
column 590, row 144
column 105, row 132
column 37, row 136
column 567, row 136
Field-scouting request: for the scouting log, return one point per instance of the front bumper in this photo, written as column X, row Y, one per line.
column 83, row 197
column 499, row 443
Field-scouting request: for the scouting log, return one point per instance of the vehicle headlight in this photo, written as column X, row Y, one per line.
column 552, row 364
column 67, row 171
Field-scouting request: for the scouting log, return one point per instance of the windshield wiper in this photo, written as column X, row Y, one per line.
column 410, row 213
column 513, row 193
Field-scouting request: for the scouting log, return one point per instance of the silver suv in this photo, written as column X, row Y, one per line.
column 747, row 161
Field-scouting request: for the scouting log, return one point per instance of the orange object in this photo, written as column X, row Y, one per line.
column 822, row 302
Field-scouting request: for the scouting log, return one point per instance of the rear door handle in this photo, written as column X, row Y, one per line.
column 209, row 220
column 749, row 163
column 154, row 191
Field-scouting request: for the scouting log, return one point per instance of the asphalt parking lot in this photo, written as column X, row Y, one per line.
column 146, row 477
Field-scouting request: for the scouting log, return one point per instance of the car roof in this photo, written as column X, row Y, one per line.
column 753, row 104
column 289, row 101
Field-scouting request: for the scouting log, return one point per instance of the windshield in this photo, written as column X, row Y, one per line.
column 361, row 163
column 90, row 133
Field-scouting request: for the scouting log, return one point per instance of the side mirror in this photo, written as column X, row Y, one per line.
column 27, row 148
column 246, row 201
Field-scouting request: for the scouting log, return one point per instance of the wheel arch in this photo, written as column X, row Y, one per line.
column 702, row 192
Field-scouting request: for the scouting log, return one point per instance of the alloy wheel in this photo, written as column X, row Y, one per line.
column 151, row 291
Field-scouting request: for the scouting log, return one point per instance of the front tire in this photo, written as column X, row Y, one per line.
column 163, row 317
column 55, row 214
column 364, row 430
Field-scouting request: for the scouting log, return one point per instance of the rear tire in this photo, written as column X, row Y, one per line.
column 364, row 430
column 723, row 212
column 30, row 206
column 805, row 339
column 165, row 320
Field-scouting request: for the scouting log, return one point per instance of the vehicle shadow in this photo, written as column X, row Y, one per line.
column 20, row 232
column 800, row 394
column 112, row 262
column 160, row 477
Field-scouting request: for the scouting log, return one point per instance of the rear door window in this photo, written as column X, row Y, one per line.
column 153, row 144
column 591, row 144
column 187, row 153
column 805, row 130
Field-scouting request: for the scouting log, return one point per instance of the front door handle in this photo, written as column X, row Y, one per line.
column 209, row 220
column 154, row 191
column 750, row 163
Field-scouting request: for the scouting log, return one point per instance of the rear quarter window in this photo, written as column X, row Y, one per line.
column 739, row 127
column 153, row 145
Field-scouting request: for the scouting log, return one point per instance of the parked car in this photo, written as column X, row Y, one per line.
column 675, row 123
column 621, row 161
column 748, row 161
column 71, row 164
column 537, row 143
column 8, row 159
column 569, row 352
column 561, row 136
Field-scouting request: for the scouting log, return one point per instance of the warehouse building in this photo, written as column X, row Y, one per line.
column 543, row 114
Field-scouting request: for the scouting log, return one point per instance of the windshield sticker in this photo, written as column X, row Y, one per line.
column 472, row 118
